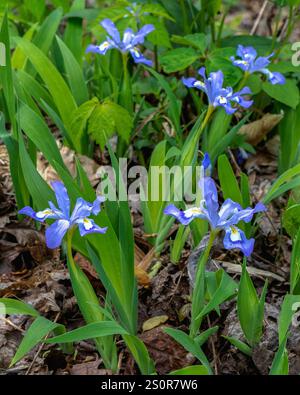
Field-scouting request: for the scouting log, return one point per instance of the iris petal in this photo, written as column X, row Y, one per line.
column 111, row 29
column 62, row 197
column 87, row 226
column 139, row 37
column 236, row 238
column 56, row 232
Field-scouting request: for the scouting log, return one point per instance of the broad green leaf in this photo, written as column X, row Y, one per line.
column 38, row 188
column 74, row 74
column 13, row 306
column 34, row 334
column 229, row 184
column 155, row 9
column 178, row 59
column 262, row 44
column 282, row 184
column 37, row 130
column 90, row 331
column 56, row 85
column 290, row 306
column 190, row 345
column 191, row 370
column 295, row 265
column 140, row 354
column 44, row 37
column 287, row 93
column 280, row 365
column 196, row 40
column 247, row 304
column 81, row 116
column 291, row 219
column 109, row 118
column 243, row 347
column 226, row 289
column 6, row 79
column 73, row 32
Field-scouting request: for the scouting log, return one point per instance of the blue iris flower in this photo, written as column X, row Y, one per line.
column 129, row 42
column 224, row 218
column 249, row 61
column 64, row 221
column 216, row 94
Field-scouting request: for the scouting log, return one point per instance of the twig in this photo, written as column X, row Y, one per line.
column 258, row 19
column 12, row 324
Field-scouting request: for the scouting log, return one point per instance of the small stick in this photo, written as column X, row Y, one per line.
column 258, row 19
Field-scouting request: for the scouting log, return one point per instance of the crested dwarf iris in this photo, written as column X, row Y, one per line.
column 224, row 218
column 127, row 44
column 216, row 94
column 249, row 62
column 65, row 220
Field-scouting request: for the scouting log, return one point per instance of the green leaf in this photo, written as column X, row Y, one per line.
column 197, row 370
column 178, row 59
column 290, row 305
column 56, row 85
column 73, row 32
column 291, row 219
column 74, row 74
column 280, row 365
column 262, row 44
column 243, row 347
column 90, row 331
column 295, row 265
column 6, row 78
column 140, row 354
column 250, row 308
column 80, row 118
column 35, row 333
column 160, row 35
column 155, row 9
column 225, row 290
column 44, row 37
column 190, row 345
column 109, row 118
column 229, row 184
column 13, row 306
column 287, row 93
column 196, row 40
column 282, row 184
column 37, row 130
column 39, row 190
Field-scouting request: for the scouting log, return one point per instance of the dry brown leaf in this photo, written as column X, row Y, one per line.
column 153, row 322
column 142, row 276
column 256, row 131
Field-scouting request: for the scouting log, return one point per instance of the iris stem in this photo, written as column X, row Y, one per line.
column 243, row 80
column 198, row 295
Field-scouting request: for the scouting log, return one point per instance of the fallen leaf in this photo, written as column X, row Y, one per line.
column 256, row 131
column 153, row 322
